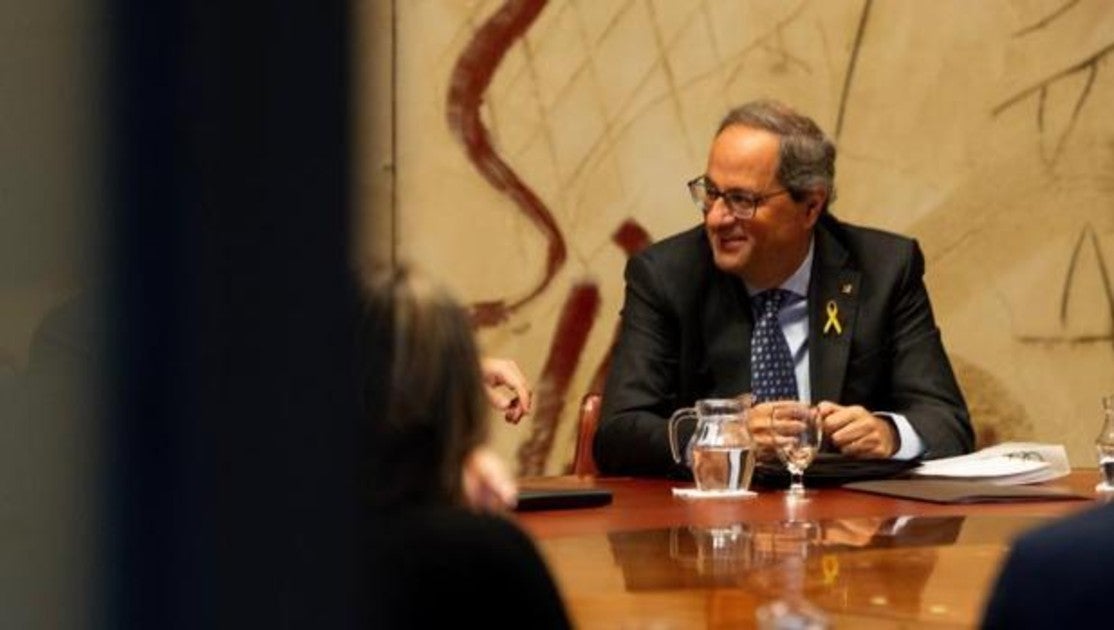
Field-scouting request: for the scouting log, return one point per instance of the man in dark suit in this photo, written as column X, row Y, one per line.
column 1056, row 575
column 855, row 326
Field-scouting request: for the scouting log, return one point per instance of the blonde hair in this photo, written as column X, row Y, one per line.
column 422, row 389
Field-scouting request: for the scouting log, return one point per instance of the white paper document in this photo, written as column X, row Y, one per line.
column 1009, row 463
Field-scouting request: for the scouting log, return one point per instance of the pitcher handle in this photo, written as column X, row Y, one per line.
column 680, row 414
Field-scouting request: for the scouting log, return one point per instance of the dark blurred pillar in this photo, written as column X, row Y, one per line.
column 233, row 440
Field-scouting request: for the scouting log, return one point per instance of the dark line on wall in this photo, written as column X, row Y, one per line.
column 394, row 135
column 998, row 109
column 1068, row 279
column 1042, row 105
column 1106, row 284
column 1041, row 101
column 1085, row 93
column 760, row 42
column 1062, row 141
column 1045, row 340
column 1045, row 21
column 851, row 63
column 1088, row 235
column 662, row 56
column 632, row 238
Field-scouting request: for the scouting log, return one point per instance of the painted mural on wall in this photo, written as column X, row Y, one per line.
column 538, row 144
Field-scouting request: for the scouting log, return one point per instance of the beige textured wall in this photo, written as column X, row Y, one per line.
column 977, row 127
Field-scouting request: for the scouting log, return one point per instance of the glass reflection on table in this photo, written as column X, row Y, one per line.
column 711, row 550
column 816, row 558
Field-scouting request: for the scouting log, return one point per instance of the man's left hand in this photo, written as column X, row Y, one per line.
column 858, row 433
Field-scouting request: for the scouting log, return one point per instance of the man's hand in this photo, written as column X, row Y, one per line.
column 858, row 433
column 853, row 532
column 761, row 431
column 504, row 373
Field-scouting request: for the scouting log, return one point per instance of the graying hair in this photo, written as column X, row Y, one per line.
column 806, row 158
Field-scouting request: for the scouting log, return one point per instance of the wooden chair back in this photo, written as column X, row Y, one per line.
column 584, row 463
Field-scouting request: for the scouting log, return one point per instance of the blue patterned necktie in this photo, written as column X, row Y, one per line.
column 771, row 364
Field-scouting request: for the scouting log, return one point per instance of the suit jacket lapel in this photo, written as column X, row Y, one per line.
column 833, row 305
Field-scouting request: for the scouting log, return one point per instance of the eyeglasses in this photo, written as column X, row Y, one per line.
column 741, row 203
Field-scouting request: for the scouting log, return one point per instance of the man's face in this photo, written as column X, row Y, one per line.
column 767, row 248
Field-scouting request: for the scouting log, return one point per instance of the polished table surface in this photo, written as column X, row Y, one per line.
column 651, row 560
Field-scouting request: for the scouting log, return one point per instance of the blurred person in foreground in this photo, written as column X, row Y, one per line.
column 1055, row 576
column 774, row 296
column 438, row 548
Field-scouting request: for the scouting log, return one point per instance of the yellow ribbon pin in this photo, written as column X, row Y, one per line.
column 833, row 322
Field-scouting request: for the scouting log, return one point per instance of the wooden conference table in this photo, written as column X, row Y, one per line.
column 650, row 560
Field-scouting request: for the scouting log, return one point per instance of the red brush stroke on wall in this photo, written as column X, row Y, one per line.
column 470, row 79
column 631, row 238
column 577, row 318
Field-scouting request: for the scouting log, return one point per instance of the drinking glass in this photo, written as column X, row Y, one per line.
column 796, row 429
column 1104, row 446
column 789, row 544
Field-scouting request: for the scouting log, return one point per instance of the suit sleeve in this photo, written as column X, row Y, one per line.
column 923, row 386
column 641, row 387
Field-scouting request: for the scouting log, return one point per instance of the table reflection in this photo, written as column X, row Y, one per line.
column 835, row 563
column 650, row 560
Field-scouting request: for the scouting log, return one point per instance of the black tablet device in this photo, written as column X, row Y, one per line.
column 533, row 499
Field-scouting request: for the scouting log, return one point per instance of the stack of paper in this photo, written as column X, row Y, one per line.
column 1009, row 463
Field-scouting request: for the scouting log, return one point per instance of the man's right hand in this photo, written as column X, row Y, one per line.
column 759, row 418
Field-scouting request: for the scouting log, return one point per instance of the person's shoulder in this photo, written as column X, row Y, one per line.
column 1073, row 545
column 685, row 252
column 863, row 237
column 489, row 530
column 449, row 540
column 466, row 562
column 456, row 531
column 686, row 244
column 1088, row 530
column 1055, row 575
column 870, row 248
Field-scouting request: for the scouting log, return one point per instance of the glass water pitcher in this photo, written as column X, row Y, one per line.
column 1104, row 445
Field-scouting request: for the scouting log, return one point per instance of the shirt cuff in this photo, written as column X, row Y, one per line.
column 911, row 444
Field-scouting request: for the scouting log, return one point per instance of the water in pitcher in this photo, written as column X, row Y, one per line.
column 1104, row 445
column 1106, row 465
column 1107, row 469
column 723, row 468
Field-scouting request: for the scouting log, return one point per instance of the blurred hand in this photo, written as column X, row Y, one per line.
column 488, row 485
column 858, row 433
column 499, row 376
column 761, row 431
column 853, row 532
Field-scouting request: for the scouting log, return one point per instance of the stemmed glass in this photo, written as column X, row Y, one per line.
column 790, row 545
column 797, row 433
